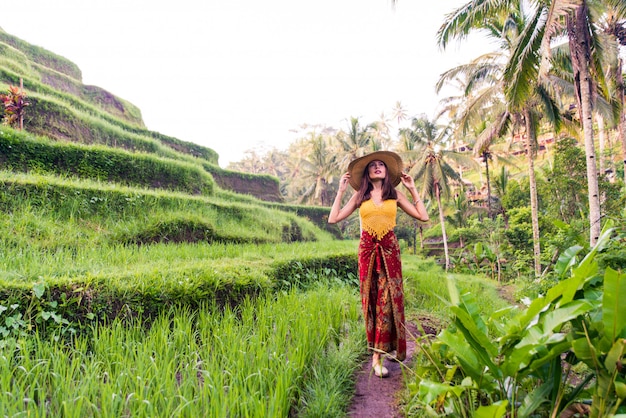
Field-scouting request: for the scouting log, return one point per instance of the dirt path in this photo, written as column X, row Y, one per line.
column 376, row 397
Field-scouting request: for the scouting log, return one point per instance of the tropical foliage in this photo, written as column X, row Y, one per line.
column 567, row 346
column 15, row 104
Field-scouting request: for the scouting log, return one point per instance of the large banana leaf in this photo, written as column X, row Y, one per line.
column 563, row 290
column 477, row 340
column 469, row 321
column 496, row 410
column 430, row 391
column 559, row 317
column 566, row 260
column 614, row 306
column 535, row 399
column 615, row 356
column 470, row 362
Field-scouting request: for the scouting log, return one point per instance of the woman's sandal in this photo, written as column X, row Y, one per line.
column 380, row 370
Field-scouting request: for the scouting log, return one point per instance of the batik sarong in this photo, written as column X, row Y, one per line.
column 382, row 295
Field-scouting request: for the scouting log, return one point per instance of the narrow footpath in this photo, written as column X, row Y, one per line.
column 378, row 397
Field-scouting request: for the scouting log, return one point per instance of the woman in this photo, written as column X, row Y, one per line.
column 374, row 178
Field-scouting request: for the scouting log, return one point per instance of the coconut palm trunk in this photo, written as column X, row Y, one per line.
column 486, row 158
column 602, row 143
column 580, row 48
column 443, row 227
column 622, row 137
column 534, row 204
column 622, row 120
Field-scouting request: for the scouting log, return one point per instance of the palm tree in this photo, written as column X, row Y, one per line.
column 412, row 140
column 462, row 211
column 399, row 113
column 251, row 163
column 356, row 142
column 433, row 171
column 435, row 175
column 580, row 51
column 534, row 48
column 471, row 117
column 501, row 181
column 318, row 169
column 379, row 130
column 495, row 77
column 613, row 25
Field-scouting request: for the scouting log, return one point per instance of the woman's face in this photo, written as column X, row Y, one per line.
column 377, row 170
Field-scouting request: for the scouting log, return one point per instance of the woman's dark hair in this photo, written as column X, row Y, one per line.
column 365, row 190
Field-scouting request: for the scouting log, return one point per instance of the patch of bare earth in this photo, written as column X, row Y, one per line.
column 379, row 397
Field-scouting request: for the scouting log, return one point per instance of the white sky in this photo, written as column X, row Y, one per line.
column 240, row 75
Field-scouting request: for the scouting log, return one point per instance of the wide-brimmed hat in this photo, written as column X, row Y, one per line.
column 357, row 167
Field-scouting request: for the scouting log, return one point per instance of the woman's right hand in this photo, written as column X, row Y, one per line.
column 343, row 182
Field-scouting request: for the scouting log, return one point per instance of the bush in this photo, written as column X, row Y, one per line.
column 26, row 153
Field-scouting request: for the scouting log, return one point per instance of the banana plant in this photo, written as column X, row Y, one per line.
column 484, row 252
column 512, row 362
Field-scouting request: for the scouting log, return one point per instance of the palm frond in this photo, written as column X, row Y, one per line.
column 549, row 108
column 618, row 7
column 481, row 68
column 459, row 23
column 495, row 130
column 522, row 69
column 555, row 16
column 479, row 105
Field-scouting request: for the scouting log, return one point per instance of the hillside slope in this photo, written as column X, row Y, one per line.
column 62, row 108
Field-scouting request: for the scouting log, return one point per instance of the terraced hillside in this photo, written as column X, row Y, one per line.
column 85, row 179
column 62, row 108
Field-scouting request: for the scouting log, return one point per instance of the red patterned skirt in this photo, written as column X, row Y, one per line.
column 382, row 295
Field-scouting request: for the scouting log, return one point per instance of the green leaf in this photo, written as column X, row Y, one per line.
column 584, row 272
column 588, row 267
column 540, row 304
column 519, row 358
column 584, row 351
column 478, row 340
column 613, row 306
column 495, row 410
column 565, row 313
column 473, row 329
column 620, row 390
column 39, row 289
column 614, row 356
column 465, row 355
column 478, row 250
column 567, row 260
column 455, row 299
column 430, row 391
column 535, row 399
column 545, row 355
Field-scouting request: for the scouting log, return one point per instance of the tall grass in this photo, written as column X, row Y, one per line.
column 426, row 291
column 252, row 361
column 48, row 213
column 78, row 256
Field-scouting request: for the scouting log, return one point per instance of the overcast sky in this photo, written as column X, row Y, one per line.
column 240, row 75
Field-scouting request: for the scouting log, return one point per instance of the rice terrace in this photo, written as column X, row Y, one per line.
column 141, row 279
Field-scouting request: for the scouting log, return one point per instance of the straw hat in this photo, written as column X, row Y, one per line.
column 357, row 167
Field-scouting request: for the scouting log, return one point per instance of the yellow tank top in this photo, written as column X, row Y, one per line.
column 378, row 219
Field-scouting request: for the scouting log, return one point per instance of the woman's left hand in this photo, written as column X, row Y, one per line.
column 407, row 180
